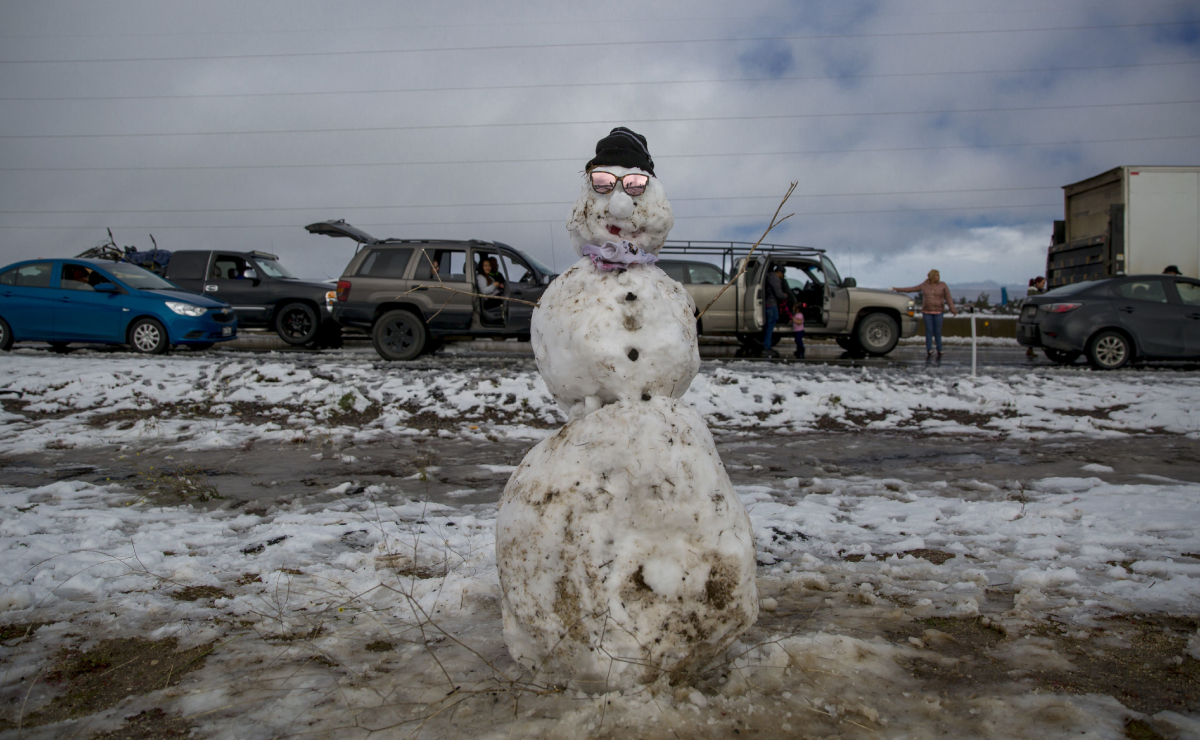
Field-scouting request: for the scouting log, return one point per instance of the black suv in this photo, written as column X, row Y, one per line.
column 413, row 294
column 262, row 292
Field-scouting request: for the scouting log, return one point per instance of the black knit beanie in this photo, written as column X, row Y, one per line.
column 622, row 148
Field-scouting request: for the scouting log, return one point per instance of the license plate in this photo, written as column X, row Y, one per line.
column 226, row 331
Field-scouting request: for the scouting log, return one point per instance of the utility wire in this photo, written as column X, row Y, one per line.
column 632, row 83
column 603, row 44
column 544, row 220
column 626, row 121
column 528, row 203
column 530, row 160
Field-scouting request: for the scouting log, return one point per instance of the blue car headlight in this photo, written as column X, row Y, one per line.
column 186, row 309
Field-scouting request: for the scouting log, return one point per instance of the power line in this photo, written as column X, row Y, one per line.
column 545, row 220
column 528, row 203
column 660, row 158
column 625, row 121
column 605, row 44
column 633, row 83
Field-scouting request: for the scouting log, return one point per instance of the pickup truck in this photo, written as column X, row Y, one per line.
column 262, row 292
column 859, row 319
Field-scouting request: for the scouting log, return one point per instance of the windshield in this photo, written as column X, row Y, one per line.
column 536, row 265
column 274, row 269
column 137, row 278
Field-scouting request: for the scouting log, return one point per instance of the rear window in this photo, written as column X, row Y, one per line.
column 187, row 265
column 36, row 275
column 705, row 274
column 385, row 263
column 1143, row 290
column 1072, row 289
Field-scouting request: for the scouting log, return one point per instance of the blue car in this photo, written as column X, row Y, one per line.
column 95, row 301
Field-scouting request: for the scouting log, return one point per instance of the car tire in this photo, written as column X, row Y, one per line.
column 1109, row 350
column 148, row 337
column 6, row 336
column 1061, row 356
column 296, row 323
column 398, row 336
column 877, row 334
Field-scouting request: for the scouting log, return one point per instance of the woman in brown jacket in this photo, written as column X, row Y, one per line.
column 935, row 297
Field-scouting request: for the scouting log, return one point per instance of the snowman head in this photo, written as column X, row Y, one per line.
column 643, row 218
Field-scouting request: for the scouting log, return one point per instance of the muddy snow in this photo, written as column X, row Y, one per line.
column 304, row 545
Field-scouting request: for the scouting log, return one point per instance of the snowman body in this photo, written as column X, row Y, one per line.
column 623, row 552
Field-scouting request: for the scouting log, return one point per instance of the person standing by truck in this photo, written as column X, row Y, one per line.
column 775, row 296
column 1037, row 286
column 935, row 298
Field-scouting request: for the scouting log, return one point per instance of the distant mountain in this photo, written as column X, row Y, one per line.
column 972, row 291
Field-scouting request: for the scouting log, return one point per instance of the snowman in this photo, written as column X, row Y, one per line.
column 623, row 552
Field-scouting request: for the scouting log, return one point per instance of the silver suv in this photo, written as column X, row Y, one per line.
column 411, row 295
column 860, row 319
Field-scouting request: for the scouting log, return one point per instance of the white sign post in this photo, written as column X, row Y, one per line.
column 973, row 351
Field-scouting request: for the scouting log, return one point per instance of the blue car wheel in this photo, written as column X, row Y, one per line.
column 6, row 337
column 148, row 337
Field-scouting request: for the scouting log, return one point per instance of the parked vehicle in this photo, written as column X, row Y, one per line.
column 262, row 292
column 1129, row 220
column 95, row 301
column 1115, row 321
column 413, row 294
column 859, row 319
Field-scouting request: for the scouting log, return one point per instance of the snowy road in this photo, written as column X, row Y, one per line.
column 1014, row 555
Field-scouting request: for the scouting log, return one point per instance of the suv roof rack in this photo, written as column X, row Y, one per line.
column 263, row 255
column 736, row 249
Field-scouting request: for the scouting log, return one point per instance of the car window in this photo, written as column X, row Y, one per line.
column 1143, row 290
column 385, row 263
column 705, row 274
column 1189, row 293
column 674, row 270
column 228, row 267
column 80, row 277
column 831, row 271
column 517, row 270
column 451, row 265
column 36, row 275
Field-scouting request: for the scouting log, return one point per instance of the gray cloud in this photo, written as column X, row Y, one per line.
column 914, row 141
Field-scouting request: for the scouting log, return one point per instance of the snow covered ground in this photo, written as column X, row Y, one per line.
column 903, row 602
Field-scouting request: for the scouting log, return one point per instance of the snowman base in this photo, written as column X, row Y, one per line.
column 623, row 552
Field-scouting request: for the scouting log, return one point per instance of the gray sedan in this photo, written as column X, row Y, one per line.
column 1115, row 321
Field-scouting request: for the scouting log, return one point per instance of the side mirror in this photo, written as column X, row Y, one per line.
column 105, row 288
column 849, row 283
column 250, row 275
column 546, row 279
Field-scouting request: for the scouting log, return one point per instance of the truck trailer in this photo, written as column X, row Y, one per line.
column 1127, row 221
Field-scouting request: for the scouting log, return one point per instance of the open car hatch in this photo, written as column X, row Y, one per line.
column 342, row 229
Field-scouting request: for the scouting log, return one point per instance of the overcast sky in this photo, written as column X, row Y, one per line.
column 923, row 133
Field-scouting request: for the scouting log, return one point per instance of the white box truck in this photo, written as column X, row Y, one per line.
column 1127, row 221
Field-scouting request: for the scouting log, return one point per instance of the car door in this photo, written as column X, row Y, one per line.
column 705, row 282
column 27, row 300
column 445, row 295
column 80, row 312
column 227, row 281
column 523, row 285
column 1143, row 308
column 1189, row 299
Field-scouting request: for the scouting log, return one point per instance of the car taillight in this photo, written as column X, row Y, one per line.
column 1060, row 307
column 343, row 290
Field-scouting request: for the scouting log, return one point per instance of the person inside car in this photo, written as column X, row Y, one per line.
column 489, row 281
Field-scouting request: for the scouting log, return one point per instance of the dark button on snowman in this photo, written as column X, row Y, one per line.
column 624, row 553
